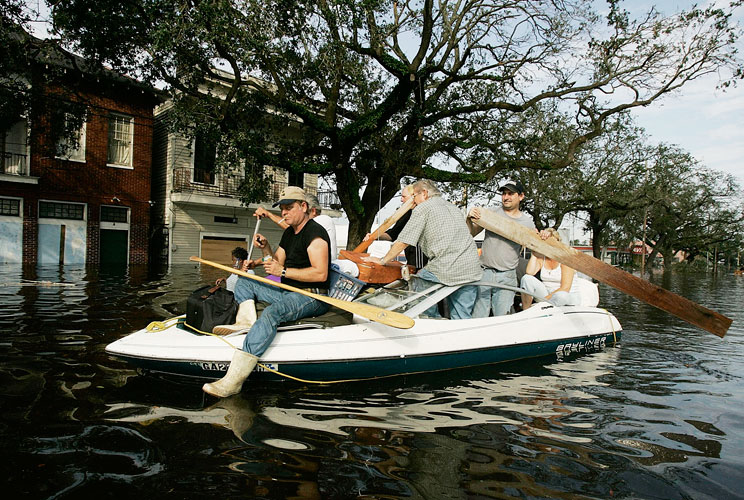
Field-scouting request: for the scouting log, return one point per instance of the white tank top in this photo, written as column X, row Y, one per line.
column 552, row 279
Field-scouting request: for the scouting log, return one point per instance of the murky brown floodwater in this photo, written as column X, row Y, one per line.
column 661, row 416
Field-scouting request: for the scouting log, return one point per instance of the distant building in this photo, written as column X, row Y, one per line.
column 87, row 201
column 197, row 210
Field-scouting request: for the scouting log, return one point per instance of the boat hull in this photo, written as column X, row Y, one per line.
column 365, row 350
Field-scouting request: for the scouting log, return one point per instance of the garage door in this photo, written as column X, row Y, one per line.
column 218, row 249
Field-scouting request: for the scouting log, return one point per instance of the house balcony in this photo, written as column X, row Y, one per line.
column 226, row 186
column 15, row 168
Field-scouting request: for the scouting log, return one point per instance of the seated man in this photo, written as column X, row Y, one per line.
column 302, row 260
column 315, row 214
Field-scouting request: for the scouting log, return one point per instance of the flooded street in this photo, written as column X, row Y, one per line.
column 659, row 416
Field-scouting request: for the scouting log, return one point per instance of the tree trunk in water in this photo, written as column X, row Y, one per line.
column 596, row 226
column 668, row 255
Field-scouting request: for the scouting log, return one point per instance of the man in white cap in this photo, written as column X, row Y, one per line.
column 499, row 256
column 302, row 259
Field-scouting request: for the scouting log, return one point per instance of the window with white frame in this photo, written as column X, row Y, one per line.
column 296, row 178
column 114, row 214
column 61, row 210
column 120, row 140
column 72, row 148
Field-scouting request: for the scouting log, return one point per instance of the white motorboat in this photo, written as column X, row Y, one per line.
column 341, row 346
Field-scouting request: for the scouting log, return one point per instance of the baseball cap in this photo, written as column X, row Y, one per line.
column 513, row 186
column 290, row 194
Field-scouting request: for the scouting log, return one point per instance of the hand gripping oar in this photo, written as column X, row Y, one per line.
column 617, row 278
column 373, row 313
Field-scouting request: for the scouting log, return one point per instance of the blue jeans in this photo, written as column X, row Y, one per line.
column 498, row 300
column 283, row 306
column 460, row 302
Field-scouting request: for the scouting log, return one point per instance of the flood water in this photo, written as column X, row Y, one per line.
column 660, row 416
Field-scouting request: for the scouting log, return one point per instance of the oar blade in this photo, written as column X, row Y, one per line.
column 634, row 286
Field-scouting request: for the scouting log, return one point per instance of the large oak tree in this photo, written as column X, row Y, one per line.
column 388, row 89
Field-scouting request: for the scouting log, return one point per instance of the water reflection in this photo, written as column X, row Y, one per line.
column 662, row 416
column 428, row 439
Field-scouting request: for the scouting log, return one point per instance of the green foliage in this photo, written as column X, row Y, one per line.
column 385, row 90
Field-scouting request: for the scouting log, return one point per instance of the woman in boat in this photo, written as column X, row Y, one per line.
column 556, row 283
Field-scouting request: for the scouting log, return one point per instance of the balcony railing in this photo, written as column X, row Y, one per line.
column 15, row 164
column 329, row 199
column 227, row 185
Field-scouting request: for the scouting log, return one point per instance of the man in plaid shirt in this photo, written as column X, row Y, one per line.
column 438, row 228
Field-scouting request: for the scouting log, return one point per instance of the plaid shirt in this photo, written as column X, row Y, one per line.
column 439, row 229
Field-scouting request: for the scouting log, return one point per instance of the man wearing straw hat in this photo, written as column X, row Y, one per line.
column 302, row 259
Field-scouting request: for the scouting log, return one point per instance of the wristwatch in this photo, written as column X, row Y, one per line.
column 284, row 272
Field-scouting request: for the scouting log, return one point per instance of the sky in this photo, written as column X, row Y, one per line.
column 706, row 122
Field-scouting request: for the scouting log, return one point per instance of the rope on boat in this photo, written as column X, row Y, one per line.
column 319, row 382
column 614, row 336
column 159, row 326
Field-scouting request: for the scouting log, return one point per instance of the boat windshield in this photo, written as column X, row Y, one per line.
column 397, row 297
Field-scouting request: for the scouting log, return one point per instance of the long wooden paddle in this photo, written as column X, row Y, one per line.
column 385, row 226
column 617, row 278
column 389, row 318
column 253, row 239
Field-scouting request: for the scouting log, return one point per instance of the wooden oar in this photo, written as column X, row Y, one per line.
column 255, row 232
column 385, row 226
column 373, row 313
column 617, row 278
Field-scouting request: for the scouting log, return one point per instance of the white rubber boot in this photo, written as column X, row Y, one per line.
column 244, row 320
column 241, row 366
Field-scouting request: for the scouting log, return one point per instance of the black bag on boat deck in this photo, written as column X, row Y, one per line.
column 210, row 306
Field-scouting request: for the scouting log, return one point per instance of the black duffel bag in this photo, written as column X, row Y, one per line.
column 210, row 306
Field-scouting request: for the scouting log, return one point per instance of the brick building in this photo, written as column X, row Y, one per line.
column 85, row 199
